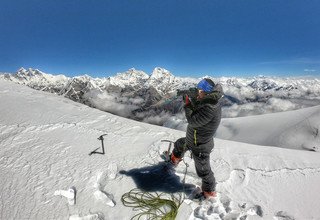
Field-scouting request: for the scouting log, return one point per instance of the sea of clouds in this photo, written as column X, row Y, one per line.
column 243, row 97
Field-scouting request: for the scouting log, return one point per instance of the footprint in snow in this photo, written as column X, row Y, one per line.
column 104, row 197
column 70, row 194
column 222, row 207
column 210, row 209
column 109, row 174
column 101, row 182
column 112, row 171
column 87, row 217
column 281, row 215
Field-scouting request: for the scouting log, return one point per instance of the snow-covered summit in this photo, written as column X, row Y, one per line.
column 30, row 73
column 133, row 73
column 37, row 79
column 163, row 81
column 22, row 72
column 46, row 141
column 159, row 73
column 132, row 78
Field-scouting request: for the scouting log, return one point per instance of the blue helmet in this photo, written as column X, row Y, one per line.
column 207, row 85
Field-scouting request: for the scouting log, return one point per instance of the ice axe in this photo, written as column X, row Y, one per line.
column 95, row 151
column 168, row 152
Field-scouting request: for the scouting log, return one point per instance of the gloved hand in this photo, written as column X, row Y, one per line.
column 187, row 100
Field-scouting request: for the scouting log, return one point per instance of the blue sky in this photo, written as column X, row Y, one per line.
column 189, row 38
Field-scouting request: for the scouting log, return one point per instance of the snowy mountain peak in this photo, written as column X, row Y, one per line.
column 22, row 72
column 37, row 79
column 84, row 77
column 162, row 80
column 131, row 77
column 136, row 74
column 159, row 73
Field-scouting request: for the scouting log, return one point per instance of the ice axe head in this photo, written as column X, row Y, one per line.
column 101, row 137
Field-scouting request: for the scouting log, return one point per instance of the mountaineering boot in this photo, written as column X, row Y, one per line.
column 175, row 160
column 202, row 195
column 209, row 195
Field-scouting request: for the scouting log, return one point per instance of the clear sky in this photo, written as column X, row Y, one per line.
column 189, row 38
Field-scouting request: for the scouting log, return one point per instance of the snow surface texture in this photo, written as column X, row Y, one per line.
column 46, row 141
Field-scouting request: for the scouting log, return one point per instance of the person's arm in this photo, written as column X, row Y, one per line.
column 200, row 116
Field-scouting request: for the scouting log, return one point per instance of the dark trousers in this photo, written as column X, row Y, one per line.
column 201, row 156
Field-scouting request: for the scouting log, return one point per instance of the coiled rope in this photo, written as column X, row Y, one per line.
column 152, row 206
column 155, row 206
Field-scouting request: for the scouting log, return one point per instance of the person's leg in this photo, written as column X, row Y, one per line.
column 178, row 151
column 201, row 155
column 203, row 169
column 180, row 148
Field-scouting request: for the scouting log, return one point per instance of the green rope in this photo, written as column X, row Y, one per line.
column 152, row 206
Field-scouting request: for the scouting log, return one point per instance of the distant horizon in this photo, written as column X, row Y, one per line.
column 213, row 75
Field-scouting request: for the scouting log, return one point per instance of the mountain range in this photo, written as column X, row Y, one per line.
column 141, row 96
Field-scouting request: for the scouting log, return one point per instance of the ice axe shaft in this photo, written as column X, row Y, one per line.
column 102, row 143
column 169, row 147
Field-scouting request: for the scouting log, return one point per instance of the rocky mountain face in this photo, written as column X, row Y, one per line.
column 137, row 95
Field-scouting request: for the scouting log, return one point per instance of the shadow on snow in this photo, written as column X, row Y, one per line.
column 158, row 178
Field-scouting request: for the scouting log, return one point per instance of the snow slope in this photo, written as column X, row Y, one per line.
column 297, row 129
column 45, row 142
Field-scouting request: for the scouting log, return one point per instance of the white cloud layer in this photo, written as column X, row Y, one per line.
column 243, row 97
column 112, row 103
